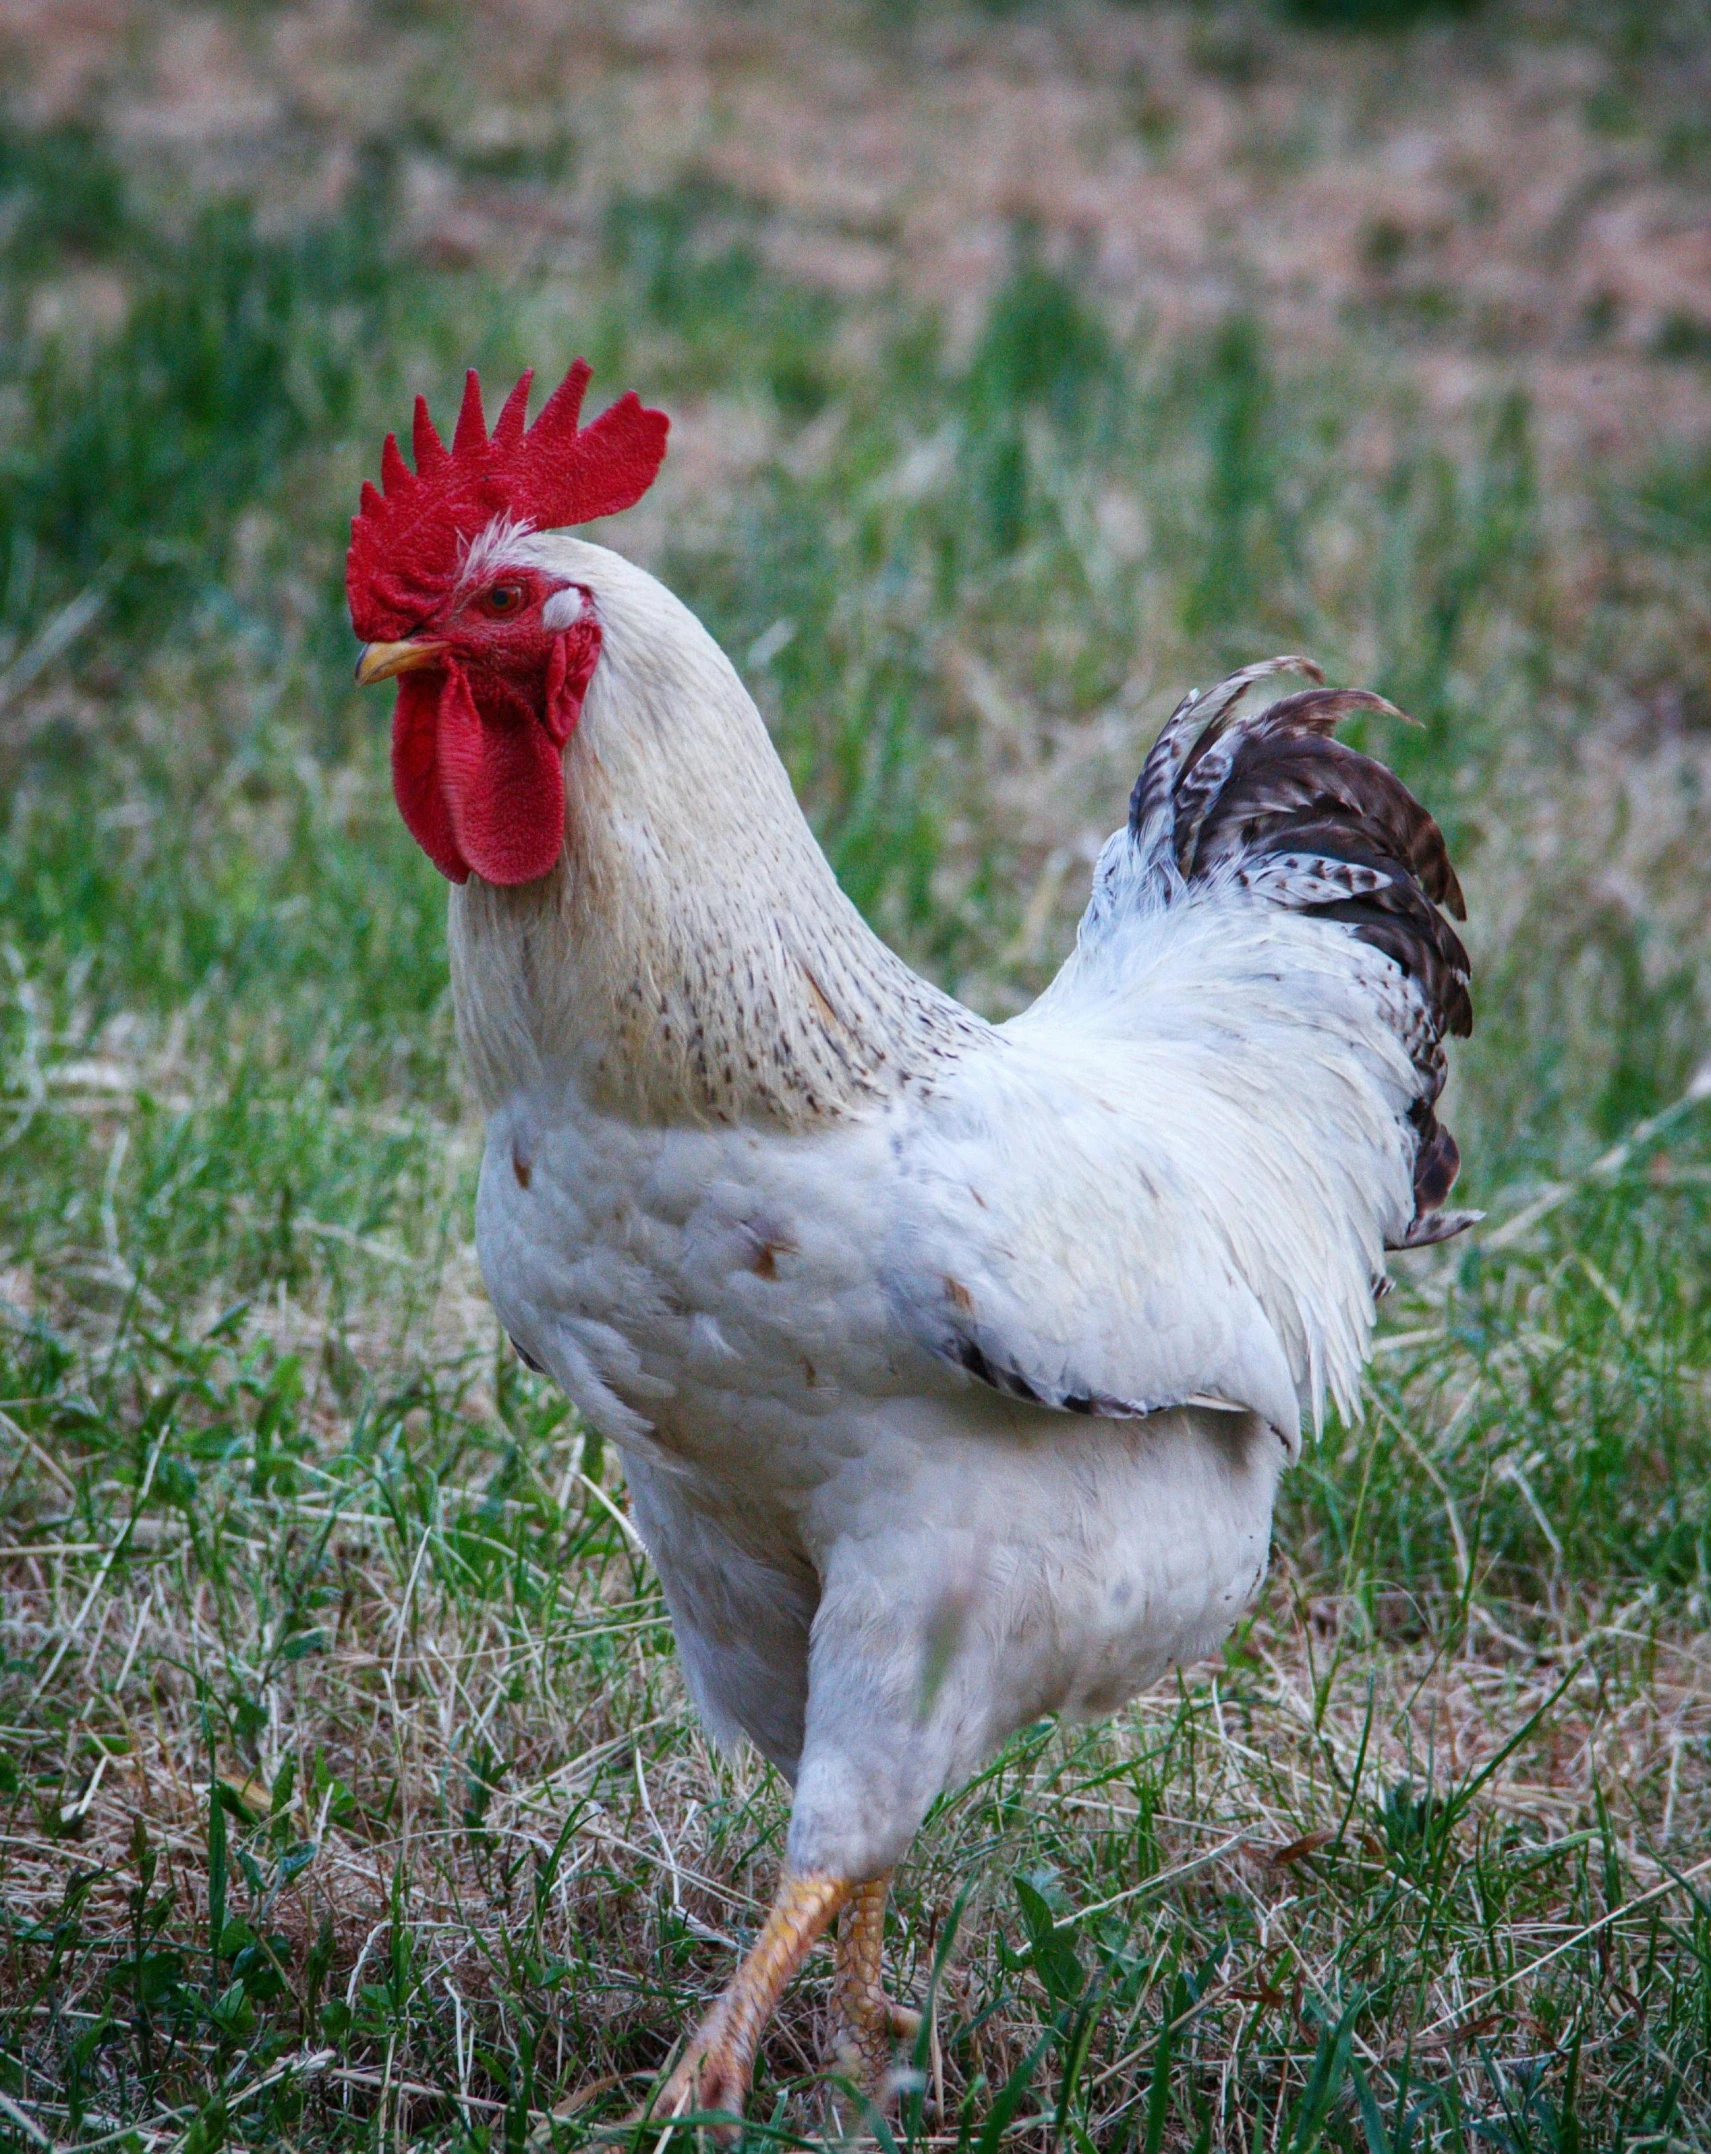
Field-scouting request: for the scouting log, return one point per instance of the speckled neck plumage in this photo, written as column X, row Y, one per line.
column 692, row 958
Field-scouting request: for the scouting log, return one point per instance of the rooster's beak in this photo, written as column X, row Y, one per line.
column 379, row 661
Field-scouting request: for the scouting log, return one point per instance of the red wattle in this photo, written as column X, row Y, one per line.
column 503, row 782
column 484, row 793
column 416, row 773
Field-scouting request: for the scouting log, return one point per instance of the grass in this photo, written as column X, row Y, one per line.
column 348, row 1795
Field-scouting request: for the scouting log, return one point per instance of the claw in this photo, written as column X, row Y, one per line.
column 712, row 2075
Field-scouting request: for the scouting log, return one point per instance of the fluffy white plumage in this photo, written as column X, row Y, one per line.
column 953, row 1366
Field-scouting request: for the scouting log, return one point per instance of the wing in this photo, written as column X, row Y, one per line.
column 1175, row 1177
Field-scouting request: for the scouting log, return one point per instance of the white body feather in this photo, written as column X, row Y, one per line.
column 811, row 1244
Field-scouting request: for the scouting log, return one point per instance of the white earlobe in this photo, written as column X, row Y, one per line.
column 563, row 610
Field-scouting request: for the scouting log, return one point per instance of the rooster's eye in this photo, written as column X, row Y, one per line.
column 505, row 598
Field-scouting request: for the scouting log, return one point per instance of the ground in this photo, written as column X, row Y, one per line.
column 1026, row 366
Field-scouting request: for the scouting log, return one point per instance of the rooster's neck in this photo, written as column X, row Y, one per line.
column 691, row 958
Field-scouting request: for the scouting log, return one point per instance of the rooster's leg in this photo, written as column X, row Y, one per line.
column 865, row 2022
column 714, row 2070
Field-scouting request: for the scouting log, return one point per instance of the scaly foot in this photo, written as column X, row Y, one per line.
column 865, row 2023
column 718, row 2061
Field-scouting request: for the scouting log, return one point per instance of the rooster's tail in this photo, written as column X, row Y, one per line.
column 1271, row 804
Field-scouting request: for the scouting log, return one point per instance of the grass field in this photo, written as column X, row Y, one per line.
column 348, row 1794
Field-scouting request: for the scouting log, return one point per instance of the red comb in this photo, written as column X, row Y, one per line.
column 409, row 539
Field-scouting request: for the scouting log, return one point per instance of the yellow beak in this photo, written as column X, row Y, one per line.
column 380, row 661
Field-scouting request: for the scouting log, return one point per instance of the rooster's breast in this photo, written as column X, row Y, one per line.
column 708, row 1297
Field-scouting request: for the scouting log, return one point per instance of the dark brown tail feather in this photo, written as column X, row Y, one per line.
column 1278, row 783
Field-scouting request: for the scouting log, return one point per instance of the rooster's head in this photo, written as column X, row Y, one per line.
column 493, row 653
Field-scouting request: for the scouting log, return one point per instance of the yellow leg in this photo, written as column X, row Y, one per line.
column 865, row 2022
column 715, row 2068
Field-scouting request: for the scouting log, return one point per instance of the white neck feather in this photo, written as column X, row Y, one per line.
column 692, row 958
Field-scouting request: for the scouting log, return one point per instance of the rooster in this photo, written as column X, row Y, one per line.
column 953, row 1365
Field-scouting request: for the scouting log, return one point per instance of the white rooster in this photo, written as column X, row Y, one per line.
column 953, row 1365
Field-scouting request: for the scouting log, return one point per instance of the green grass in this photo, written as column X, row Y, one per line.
column 348, row 1793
